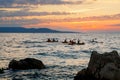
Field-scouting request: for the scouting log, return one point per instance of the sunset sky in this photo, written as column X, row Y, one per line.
column 73, row 15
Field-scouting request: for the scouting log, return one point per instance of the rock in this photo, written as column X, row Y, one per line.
column 99, row 61
column 28, row 63
column 84, row 75
column 102, row 67
column 1, row 71
column 112, row 70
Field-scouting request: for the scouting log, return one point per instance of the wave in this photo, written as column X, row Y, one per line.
column 28, row 41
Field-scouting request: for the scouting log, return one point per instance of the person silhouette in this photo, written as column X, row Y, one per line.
column 48, row 40
column 53, row 40
column 78, row 42
column 65, row 41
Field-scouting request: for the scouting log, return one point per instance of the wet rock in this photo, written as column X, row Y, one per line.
column 28, row 63
column 84, row 75
column 1, row 71
column 110, row 72
column 101, row 67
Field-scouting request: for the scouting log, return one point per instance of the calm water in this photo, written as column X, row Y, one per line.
column 63, row 61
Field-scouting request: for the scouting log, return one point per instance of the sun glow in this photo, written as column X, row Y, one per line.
column 86, row 15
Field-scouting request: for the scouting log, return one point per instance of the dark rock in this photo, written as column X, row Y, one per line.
column 1, row 71
column 28, row 63
column 84, row 75
column 101, row 67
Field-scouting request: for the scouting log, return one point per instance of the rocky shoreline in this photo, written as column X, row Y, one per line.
column 24, row 64
column 27, row 63
column 101, row 67
column 104, row 66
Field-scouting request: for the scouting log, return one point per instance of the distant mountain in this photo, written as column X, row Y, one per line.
column 29, row 30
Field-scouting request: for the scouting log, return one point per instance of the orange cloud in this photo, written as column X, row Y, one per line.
column 81, row 26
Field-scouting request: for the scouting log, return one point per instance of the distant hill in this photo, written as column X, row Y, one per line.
column 29, row 30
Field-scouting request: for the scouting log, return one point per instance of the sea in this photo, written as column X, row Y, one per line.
column 62, row 61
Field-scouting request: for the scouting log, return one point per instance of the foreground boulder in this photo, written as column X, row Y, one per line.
column 28, row 63
column 101, row 67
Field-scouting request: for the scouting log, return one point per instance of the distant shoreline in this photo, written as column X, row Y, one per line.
column 31, row 30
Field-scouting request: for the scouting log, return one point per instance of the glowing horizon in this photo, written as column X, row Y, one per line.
column 77, row 15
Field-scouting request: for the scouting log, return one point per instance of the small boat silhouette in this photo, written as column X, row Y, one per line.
column 52, row 40
column 65, row 41
column 71, row 42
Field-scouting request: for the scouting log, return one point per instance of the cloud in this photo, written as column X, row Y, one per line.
column 9, row 3
column 19, row 13
column 59, row 2
column 21, row 21
column 10, row 25
column 34, row 18
column 95, row 18
column 115, row 25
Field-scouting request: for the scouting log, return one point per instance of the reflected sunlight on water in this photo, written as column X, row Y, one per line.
column 62, row 60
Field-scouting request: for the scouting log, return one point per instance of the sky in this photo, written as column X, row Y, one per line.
column 73, row 15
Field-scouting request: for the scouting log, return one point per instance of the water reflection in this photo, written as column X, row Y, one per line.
column 62, row 61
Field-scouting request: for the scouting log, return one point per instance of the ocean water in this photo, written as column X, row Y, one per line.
column 62, row 61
